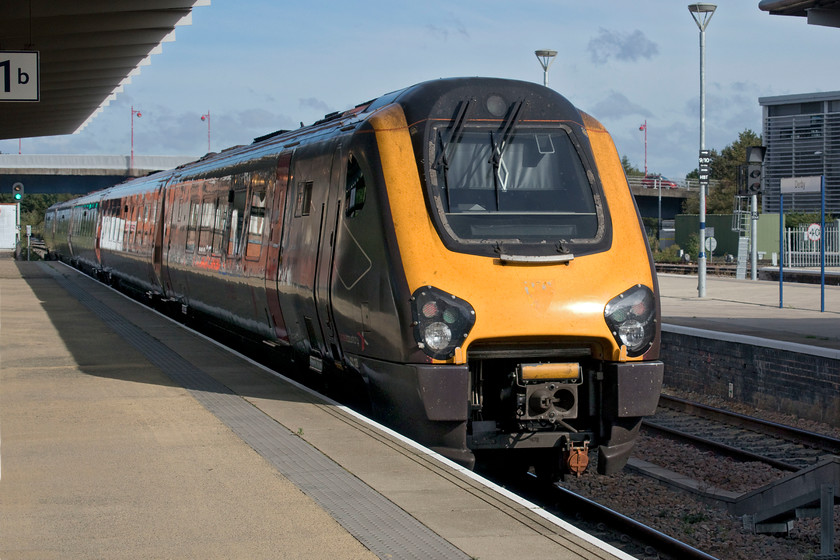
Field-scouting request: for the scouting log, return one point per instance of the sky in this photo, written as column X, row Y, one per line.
column 261, row 65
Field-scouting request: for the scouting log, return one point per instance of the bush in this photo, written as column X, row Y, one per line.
column 692, row 246
column 668, row 255
column 797, row 219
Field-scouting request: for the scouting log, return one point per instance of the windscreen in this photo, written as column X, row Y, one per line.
column 527, row 186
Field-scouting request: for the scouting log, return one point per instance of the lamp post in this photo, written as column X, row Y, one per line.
column 133, row 112
column 702, row 14
column 207, row 118
column 546, row 57
column 644, row 127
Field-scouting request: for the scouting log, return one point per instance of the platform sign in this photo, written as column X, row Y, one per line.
column 705, row 167
column 19, row 80
column 794, row 185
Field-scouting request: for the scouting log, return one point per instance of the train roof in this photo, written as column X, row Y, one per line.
column 423, row 98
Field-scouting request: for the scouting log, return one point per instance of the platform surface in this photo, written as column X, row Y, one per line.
column 126, row 436
column 751, row 308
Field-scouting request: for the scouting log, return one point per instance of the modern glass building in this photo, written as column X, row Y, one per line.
column 802, row 135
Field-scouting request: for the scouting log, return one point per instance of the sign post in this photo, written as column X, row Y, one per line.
column 822, row 243
column 795, row 185
column 704, row 169
column 19, row 80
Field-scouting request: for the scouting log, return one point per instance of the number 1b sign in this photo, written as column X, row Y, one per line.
column 19, row 76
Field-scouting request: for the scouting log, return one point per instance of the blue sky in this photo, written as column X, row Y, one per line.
column 262, row 65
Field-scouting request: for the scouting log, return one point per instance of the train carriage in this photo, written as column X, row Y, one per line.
column 468, row 248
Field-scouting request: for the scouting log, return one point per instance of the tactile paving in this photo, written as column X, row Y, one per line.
column 384, row 528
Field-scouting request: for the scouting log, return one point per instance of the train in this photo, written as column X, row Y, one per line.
column 467, row 250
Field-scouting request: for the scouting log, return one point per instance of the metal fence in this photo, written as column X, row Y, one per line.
column 685, row 184
column 801, row 251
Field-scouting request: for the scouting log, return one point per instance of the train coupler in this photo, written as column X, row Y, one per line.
column 576, row 457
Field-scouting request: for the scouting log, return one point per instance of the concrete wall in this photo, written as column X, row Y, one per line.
column 768, row 375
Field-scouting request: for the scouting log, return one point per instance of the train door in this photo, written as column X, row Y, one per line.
column 180, row 238
column 168, row 224
column 97, row 233
column 159, row 224
column 331, row 213
column 275, row 241
column 306, row 215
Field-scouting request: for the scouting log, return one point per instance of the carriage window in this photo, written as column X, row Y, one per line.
column 304, row 199
column 205, row 231
column 256, row 224
column 219, row 224
column 146, row 225
column 192, row 226
column 237, row 218
column 135, row 218
column 354, row 190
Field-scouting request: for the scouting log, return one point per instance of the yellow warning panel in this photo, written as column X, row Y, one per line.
column 566, row 370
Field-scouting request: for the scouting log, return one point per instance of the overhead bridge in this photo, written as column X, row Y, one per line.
column 81, row 174
column 77, row 174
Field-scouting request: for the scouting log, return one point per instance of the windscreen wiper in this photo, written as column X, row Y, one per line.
column 498, row 149
column 454, row 134
column 510, row 123
column 496, row 162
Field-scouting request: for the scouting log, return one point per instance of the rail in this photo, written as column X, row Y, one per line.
column 657, row 540
column 691, row 268
column 789, row 433
column 576, row 508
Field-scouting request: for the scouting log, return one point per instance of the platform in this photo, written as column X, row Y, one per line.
column 747, row 307
column 126, row 436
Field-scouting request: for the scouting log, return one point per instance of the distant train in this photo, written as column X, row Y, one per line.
column 467, row 248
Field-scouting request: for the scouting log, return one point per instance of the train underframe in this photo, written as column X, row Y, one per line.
column 519, row 411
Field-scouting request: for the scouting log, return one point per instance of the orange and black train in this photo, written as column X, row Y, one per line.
column 468, row 249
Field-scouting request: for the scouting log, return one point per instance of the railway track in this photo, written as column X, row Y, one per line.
column 727, row 435
column 619, row 530
column 653, row 543
column 739, row 436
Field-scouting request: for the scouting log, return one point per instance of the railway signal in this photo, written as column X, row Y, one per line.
column 754, row 178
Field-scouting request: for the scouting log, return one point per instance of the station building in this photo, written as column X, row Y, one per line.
column 802, row 136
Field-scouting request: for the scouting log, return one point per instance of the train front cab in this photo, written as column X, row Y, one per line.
column 532, row 293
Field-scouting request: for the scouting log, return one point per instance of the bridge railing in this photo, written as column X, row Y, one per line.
column 638, row 181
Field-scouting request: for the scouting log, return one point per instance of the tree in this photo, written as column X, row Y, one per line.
column 629, row 169
column 724, row 169
column 33, row 207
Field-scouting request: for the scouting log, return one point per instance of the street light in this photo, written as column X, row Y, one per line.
column 133, row 112
column 546, row 57
column 207, row 118
column 644, row 127
column 702, row 14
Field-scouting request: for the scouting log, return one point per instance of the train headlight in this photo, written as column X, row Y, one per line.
column 631, row 317
column 437, row 336
column 441, row 321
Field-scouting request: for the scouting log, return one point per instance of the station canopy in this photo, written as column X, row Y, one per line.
column 818, row 12
column 88, row 50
